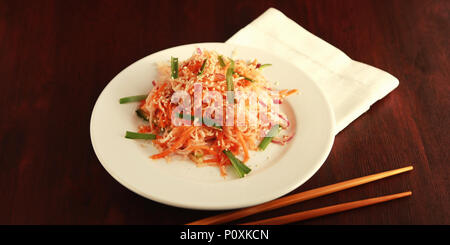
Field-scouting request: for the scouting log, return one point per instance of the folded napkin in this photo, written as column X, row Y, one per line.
column 350, row 87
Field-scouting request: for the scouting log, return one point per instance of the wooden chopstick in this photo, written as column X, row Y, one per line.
column 309, row 214
column 295, row 198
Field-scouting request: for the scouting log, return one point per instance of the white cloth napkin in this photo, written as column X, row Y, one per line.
column 351, row 87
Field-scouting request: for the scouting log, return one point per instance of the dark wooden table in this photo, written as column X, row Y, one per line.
column 57, row 56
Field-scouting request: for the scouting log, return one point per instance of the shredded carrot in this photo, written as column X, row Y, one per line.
column 287, row 92
column 243, row 143
column 204, row 148
column 210, row 160
column 223, row 172
column 156, row 93
column 183, row 137
column 144, row 129
column 141, row 104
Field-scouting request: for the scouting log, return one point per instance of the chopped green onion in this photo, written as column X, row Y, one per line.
column 231, row 63
column 141, row 114
column 190, row 116
column 246, row 78
column 174, row 67
column 264, row 65
column 206, row 121
column 132, row 99
column 230, row 84
column 229, row 77
column 274, row 131
column 212, row 123
column 134, row 135
column 221, row 62
column 239, row 166
column 202, row 68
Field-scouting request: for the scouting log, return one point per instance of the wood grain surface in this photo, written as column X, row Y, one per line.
column 57, row 56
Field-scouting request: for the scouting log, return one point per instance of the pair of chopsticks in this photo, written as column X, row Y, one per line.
column 307, row 195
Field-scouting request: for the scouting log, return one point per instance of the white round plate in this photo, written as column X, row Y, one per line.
column 275, row 171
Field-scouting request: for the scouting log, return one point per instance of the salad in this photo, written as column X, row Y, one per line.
column 213, row 110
